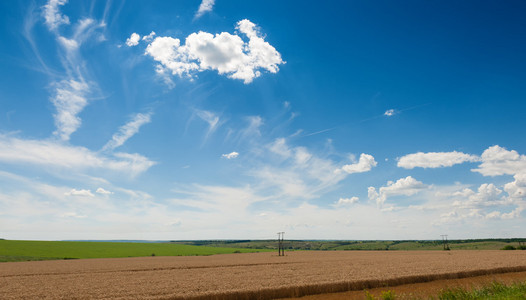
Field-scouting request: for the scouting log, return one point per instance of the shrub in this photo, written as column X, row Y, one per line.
column 388, row 295
column 508, row 247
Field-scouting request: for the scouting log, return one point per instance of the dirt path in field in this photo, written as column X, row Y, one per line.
column 245, row 276
column 424, row 290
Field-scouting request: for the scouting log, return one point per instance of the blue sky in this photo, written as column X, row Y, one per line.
column 238, row 119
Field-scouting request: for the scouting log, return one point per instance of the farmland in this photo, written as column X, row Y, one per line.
column 246, row 275
column 327, row 245
column 45, row 250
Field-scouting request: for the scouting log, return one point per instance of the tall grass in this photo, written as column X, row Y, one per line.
column 494, row 291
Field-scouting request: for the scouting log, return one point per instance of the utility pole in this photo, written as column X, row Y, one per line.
column 444, row 241
column 281, row 248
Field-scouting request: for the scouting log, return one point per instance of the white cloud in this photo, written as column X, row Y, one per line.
column 52, row 154
column 206, row 6
column 52, row 15
column 487, row 195
column 148, row 38
column 435, row 159
column 230, row 155
column 389, row 112
column 133, row 40
column 364, row 164
column 73, row 215
column 347, row 201
column 135, row 162
column 295, row 172
column 279, row 146
column 517, row 188
column 69, row 100
column 81, row 193
column 404, row 186
column 69, row 45
column 497, row 160
column 471, row 204
column 254, row 123
column 127, row 131
column 226, row 53
column 103, row 191
column 210, row 118
column 172, row 57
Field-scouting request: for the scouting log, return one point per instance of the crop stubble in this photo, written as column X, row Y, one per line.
column 244, row 276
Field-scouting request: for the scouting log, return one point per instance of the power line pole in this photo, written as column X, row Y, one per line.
column 445, row 242
column 281, row 248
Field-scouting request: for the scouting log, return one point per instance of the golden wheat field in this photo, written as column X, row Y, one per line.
column 244, row 276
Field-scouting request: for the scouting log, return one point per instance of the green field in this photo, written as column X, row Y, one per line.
column 481, row 244
column 44, row 250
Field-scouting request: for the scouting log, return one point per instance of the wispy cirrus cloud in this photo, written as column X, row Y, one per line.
column 74, row 158
column 69, row 100
column 71, row 93
column 81, row 193
column 226, row 53
column 127, row 131
column 211, row 118
column 103, row 191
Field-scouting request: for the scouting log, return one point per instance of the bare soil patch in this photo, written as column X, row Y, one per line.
column 245, row 276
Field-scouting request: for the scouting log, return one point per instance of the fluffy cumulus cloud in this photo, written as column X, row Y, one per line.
column 404, row 186
column 364, row 164
column 497, row 160
column 52, row 15
column 148, row 38
column 230, row 155
column 226, row 53
column 389, row 112
column 133, row 40
column 517, row 188
column 487, row 195
column 127, row 131
column 488, row 202
column 206, row 6
column 347, row 201
column 52, row 154
column 434, row 159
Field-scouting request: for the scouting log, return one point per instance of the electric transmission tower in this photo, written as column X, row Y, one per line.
column 281, row 248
